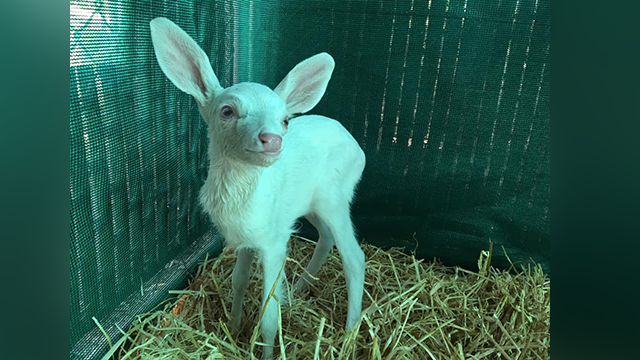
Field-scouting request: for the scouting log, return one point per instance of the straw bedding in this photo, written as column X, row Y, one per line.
column 412, row 309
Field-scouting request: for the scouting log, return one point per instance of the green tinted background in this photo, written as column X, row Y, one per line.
column 448, row 99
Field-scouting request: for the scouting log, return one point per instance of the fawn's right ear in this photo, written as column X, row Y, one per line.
column 183, row 61
column 303, row 87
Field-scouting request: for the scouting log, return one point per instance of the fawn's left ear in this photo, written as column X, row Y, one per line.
column 305, row 84
column 183, row 61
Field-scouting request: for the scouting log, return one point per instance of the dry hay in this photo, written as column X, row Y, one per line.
column 412, row 310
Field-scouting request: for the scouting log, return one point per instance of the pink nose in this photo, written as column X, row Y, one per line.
column 271, row 142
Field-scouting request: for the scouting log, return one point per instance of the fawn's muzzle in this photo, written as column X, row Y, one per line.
column 271, row 142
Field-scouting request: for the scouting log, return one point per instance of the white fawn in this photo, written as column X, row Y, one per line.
column 265, row 173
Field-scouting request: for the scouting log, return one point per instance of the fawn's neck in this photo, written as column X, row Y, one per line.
column 230, row 184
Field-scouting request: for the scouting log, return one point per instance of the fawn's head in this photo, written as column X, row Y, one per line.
column 247, row 121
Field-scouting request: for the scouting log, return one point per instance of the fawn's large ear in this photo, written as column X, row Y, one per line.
column 183, row 61
column 305, row 84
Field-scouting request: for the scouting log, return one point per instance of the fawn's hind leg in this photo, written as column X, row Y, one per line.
column 323, row 246
column 336, row 215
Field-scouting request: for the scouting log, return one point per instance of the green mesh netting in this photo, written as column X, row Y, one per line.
column 449, row 100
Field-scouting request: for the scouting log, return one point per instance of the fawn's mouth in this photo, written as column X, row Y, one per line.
column 270, row 153
column 266, row 153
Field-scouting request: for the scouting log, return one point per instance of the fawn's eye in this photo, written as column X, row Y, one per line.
column 227, row 112
column 286, row 122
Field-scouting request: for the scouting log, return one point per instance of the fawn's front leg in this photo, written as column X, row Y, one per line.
column 273, row 267
column 240, row 281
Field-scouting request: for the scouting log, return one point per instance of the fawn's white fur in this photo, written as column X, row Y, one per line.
column 253, row 196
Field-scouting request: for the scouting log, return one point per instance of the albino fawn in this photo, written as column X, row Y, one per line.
column 264, row 174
